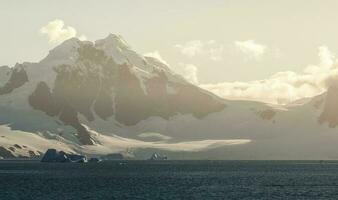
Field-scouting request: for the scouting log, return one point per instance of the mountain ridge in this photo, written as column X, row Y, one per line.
column 102, row 97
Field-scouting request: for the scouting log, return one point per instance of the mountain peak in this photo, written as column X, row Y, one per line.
column 113, row 45
column 113, row 41
column 74, row 41
column 113, row 35
column 64, row 49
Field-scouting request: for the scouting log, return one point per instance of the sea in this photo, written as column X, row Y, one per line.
column 32, row 180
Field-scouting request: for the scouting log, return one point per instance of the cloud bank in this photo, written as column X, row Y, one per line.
column 157, row 55
column 280, row 88
column 284, row 87
column 189, row 72
column 251, row 49
column 57, row 32
column 193, row 48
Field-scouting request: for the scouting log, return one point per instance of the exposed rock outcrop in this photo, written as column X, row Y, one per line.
column 96, row 86
column 4, row 153
column 267, row 114
column 17, row 79
column 330, row 110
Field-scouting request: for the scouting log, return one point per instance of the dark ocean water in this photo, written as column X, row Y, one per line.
column 169, row 180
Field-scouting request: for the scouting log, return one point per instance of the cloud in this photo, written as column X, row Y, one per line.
column 326, row 57
column 156, row 55
column 82, row 38
column 251, row 49
column 189, row 72
column 57, row 32
column 210, row 49
column 154, row 135
column 284, row 87
column 191, row 48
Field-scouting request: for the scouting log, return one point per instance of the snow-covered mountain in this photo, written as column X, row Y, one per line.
column 102, row 97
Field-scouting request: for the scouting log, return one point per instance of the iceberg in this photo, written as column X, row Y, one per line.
column 52, row 155
column 157, row 156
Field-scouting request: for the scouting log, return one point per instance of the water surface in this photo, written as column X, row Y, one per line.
column 169, row 180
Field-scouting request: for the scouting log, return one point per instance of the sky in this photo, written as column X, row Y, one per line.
column 270, row 51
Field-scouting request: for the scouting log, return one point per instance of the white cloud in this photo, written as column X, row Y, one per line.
column 154, row 135
column 251, row 49
column 82, row 38
column 210, row 49
column 284, row 87
column 156, row 55
column 326, row 57
column 191, row 48
column 57, row 32
column 189, row 72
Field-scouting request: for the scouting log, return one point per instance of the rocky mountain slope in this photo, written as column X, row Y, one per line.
column 102, row 97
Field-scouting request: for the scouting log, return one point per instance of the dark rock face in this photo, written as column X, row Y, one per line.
column 133, row 105
column 70, row 90
column 191, row 99
column 32, row 154
column 267, row 114
column 42, row 99
column 158, row 95
column 330, row 114
column 75, row 92
column 103, row 106
column 12, row 149
column 97, row 85
column 52, row 155
column 6, row 153
column 69, row 117
column 18, row 78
